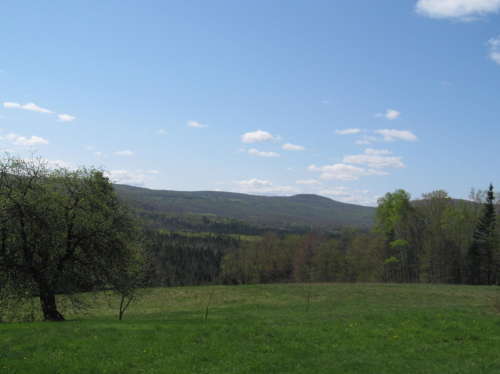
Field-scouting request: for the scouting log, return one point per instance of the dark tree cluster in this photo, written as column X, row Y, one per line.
column 63, row 232
column 188, row 260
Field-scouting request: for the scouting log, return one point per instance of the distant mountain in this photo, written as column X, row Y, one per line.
column 264, row 211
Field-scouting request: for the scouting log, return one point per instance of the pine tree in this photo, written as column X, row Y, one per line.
column 487, row 239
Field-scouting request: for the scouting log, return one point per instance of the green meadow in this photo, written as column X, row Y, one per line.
column 349, row 328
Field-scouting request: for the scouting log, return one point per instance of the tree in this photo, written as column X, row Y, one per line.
column 487, row 239
column 392, row 216
column 65, row 231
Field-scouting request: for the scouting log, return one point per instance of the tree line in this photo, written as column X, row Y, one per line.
column 434, row 239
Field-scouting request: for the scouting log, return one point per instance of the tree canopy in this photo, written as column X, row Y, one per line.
column 65, row 231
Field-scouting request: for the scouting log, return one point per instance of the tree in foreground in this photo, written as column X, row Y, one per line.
column 64, row 232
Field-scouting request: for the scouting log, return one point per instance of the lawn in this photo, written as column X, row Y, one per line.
column 349, row 328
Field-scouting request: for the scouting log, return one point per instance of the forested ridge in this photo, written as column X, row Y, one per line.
column 235, row 212
column 432, row 239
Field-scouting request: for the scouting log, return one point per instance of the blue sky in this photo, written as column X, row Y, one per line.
column 346, row 99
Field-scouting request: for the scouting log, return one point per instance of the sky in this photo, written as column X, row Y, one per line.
column 344, row 99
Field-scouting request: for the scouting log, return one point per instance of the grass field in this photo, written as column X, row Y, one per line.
column 264, row 329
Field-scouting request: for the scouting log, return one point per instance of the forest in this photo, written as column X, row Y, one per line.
column 433, row 239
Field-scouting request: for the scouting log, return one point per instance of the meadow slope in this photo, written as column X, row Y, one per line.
column 350, row 328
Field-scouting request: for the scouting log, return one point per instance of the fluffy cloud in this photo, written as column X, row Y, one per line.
column 65, row 117
column 10, row 137
column 375, row 161
column 34, row 140
column 22, row 140
column 389, row 135
column 362, row 142
column 347, row 195
column 196, row 124
column 494, row 44
column 53, row 164
column 29, row 106
column 258, row 136
column 337, row 191
column 391, row 114
column 309, row 182
column 264, row 187
column 344, row 172
column 126, row 177
column 465, row 10
column 370, row 151
column 347, row 131
column 291, row 147
column 255, row 152
column 124, row 153
column 154, row 172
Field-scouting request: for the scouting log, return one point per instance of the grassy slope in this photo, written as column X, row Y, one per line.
column 264, row 329
column 308, row 209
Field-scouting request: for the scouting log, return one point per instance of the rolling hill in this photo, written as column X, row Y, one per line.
column 310, row 211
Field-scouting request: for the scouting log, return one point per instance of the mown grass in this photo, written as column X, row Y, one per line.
column 265, row 329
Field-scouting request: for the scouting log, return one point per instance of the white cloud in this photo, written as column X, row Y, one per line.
column 58, row 164
column 445, row 83
column 370, row 151
column 258, row 136
column 34, row 140
column 2, row 71
column 309, row 182
column 361, row 191
column 264, row 187
column 337, row 191
column 347, row 131
column 389, row 135
column 29, row 106
column 347, row 195
column 124, row 153
column 196, row 124
column 255, row 152
column 291, row 147
column 344, row 172
column 154, row 172
column 494, row 44
column 126, row 177
column 9, row 137
column 161, row 132
column 464, row 10
column 375, row 161
column 89, row 147
column 97, row 153
column 392, row 114
column 65, row 117
column 362, row 142
column 290, row 168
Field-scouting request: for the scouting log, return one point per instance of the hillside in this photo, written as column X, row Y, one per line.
column 266, row 211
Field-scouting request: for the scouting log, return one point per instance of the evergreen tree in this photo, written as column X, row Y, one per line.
column 487, row 240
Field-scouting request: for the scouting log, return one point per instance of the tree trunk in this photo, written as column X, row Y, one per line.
column 49, row 308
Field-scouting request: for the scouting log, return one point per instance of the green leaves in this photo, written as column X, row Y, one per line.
column 66, row 231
